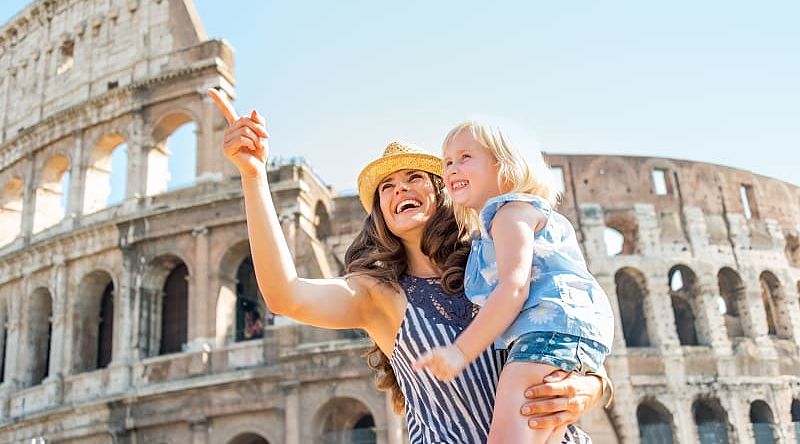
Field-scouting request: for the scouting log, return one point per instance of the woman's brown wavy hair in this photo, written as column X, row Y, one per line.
column 378, row 253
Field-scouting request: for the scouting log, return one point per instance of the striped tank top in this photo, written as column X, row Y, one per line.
column 457, row 412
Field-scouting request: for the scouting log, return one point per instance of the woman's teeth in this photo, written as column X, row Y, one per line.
column 407, row 204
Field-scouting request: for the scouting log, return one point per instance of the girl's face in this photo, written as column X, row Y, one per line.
column 407, row 201
column 470, row 171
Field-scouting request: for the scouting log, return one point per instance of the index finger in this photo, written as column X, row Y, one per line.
column 224, row 105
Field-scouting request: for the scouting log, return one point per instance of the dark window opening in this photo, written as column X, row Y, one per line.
column 174, row 322
column 105, row 333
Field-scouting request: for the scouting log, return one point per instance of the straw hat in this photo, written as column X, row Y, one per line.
column 397, row 156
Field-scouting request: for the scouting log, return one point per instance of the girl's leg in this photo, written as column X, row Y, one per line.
column 508, row 425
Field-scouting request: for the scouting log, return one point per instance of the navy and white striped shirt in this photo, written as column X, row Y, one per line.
column 457, row 412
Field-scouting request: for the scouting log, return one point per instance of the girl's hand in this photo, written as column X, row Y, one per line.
column 245, row 141
column 444, row 362
column 561, row 399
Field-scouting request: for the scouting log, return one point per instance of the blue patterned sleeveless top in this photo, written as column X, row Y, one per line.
column 564, row 297
column 457, row 412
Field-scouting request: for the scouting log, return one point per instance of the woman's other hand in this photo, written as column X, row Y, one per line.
column 561, row 399
column 245, row 141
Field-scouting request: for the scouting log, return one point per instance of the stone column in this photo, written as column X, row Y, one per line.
column 199, row 428
column 710, row 320
column 137, row 160
column 58, row 337
column 291, row 417
column 77, row 177
column 29, row 197
column 394, row 423
column 201, row 327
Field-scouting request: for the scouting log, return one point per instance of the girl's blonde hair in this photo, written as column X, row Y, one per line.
column 517, row 174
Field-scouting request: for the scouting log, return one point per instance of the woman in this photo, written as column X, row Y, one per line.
column 407, row 253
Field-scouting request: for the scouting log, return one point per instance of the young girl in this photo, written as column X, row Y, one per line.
column 526, row 271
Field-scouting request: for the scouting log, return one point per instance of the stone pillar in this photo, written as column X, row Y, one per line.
column 58, row 337
column 199, row 427
column 13, row 340
column 710, row 320
column 684, row 419
column 29, row 198
column 757, row 327
column 77, row 177
column 137, row 160
column 291, row 416
column 201, row 326
column 394, row 423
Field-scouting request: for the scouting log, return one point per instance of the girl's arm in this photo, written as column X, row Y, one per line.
column 513, row 230
column 331, row 303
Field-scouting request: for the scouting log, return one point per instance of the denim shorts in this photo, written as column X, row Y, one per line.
column 567, row 352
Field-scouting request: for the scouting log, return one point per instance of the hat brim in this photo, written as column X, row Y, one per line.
column 378, row 169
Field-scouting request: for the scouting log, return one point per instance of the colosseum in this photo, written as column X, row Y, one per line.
column 137, row 319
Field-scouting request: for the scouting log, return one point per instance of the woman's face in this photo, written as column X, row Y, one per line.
column 407, row 200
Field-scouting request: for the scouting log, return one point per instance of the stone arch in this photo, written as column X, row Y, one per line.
column 684, row 295
column 248, row 438
column 99, row 167
column 165, row 286
column 11, row 209
column 624, row 224
column 631, row 293
column 733, row 296
column 655, row 423
column 227, row 295
column 322, row 221
column 93, row 320
column 39, row 329
column 49, row 208
column 763, row 423
column 160, row 156
column 344, row 420
column 774, row 305
column 711, row 421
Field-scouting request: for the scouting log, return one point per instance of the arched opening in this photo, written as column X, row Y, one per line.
column 175, row 310
column 172, row 160
column 345, row 421
column 106, row 174
column 772, row 297
column 51, row 193
column 763, row 423
column 182, row 146
column 105, row 329
column 93, row 322
column 621, row 224
column 683, row 294
column 251, row 313
column 322, row 221
column 614, row 241
column 655, row 423
column 732, row 295
column 11, row 210
column 795, row 411
column 792, row 249
column 248, row 438
column 40, row 329
column 631, row 291
column 711, row 421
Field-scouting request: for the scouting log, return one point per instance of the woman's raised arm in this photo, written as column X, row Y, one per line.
column 330, row 303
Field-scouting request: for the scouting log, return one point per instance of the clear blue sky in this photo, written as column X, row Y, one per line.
column 714, row 81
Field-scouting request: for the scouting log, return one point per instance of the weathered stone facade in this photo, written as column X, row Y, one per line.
column 134, row 322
